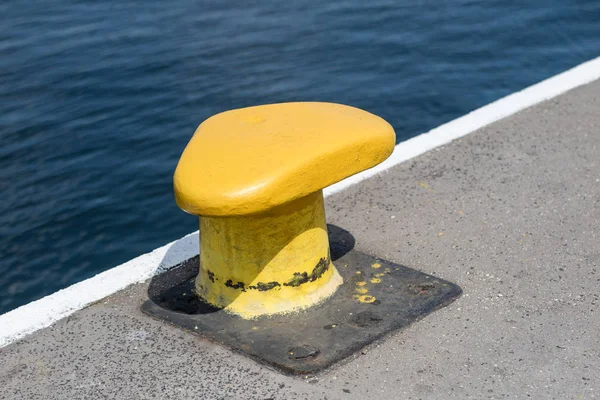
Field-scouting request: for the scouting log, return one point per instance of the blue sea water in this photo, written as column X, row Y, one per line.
column 99, row 98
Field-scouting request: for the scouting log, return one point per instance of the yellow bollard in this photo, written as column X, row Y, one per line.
column 255, row 176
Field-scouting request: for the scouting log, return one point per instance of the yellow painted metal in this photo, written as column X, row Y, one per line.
column 255, row 177
column 253, row 159
column 273, row 262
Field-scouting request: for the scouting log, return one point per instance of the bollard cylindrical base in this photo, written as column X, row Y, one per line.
column 273, row 262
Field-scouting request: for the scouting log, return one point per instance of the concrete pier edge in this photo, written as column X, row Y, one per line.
column 42, row 313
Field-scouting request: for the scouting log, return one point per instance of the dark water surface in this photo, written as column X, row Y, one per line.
column 99, row 98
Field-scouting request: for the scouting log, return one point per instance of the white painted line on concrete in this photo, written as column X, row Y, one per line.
column 44, row 312
column 39, row 314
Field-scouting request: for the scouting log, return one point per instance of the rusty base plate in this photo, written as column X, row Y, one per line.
column 377, row 298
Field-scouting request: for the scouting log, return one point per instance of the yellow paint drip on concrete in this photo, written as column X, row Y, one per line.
column 366, row 299
column 362, row 290
column 425, row 186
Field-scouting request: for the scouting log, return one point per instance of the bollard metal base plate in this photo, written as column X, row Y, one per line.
column 377, row 298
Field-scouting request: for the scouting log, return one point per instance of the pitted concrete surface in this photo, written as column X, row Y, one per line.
column 511, row 213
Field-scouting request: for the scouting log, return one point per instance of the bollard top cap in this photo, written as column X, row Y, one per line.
column 250, row 160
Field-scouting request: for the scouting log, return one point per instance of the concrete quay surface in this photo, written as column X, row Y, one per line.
column 511, row 213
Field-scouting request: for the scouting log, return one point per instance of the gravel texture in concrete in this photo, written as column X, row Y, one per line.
column 511, row 213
